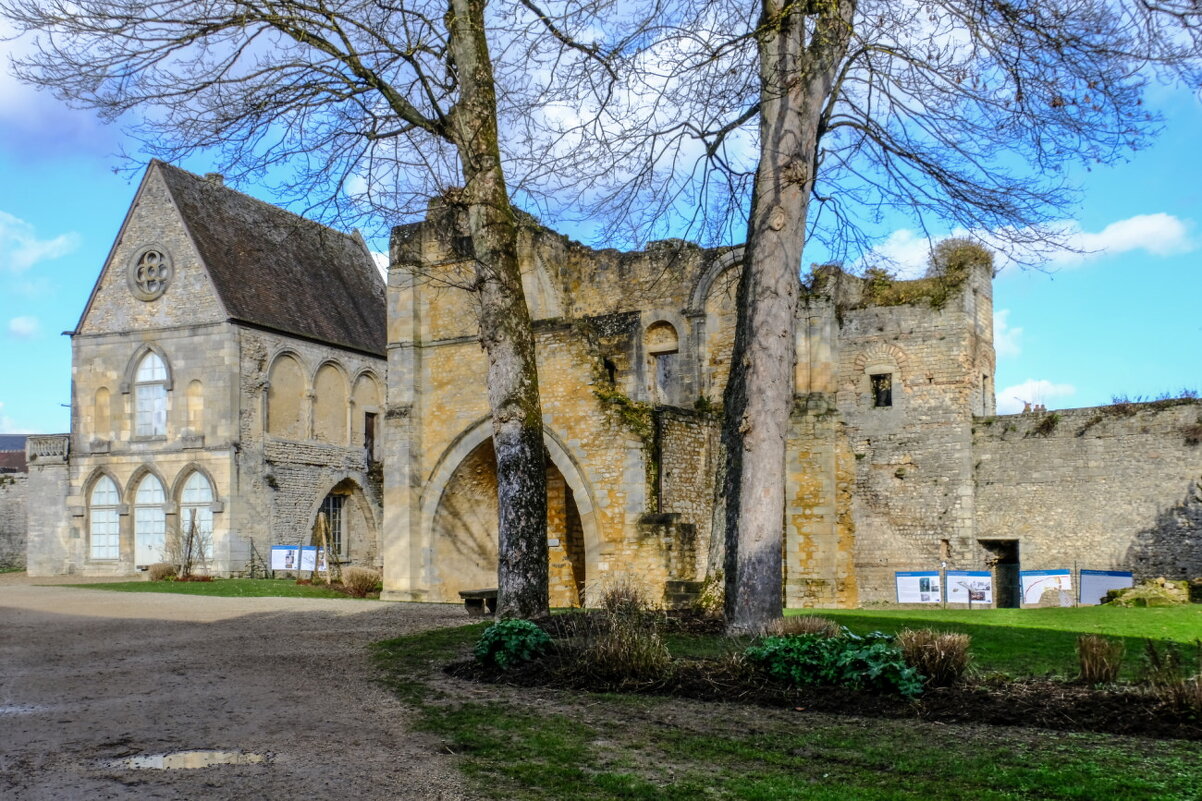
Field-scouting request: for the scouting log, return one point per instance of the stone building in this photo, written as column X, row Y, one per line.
column 14, row 476
column 233, row 360
column 228, row 374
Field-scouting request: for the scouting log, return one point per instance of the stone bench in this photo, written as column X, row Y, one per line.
column 479, row 602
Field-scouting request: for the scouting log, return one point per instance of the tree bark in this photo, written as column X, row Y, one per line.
column 799, row 56
column 505, row 326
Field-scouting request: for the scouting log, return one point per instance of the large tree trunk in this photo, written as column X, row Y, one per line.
column 505, row 329
column 798, row 61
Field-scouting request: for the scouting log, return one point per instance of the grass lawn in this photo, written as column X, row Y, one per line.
column 539, row 744
column 226, row 588
column 1037, row 642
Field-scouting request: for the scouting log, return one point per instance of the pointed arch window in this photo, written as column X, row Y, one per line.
column 197, row 499
column 150, row 522
column 104, row 529
column 150, row 397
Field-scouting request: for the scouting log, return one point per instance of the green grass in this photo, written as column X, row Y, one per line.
column 12, row 570
column 519, row 744
column 1037, row 642
column 225, row 588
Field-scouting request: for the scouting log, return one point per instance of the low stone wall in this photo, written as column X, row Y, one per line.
column 1112, row 487
column 13, row 487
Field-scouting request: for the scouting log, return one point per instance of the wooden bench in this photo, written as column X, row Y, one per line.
column 479, row 602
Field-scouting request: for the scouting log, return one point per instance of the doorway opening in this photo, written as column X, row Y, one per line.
column 1003, row 560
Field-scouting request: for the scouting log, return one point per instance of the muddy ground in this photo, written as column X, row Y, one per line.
column 89, row 676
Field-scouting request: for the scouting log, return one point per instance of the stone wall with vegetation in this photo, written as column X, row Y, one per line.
column 1109, row 487
column 12, row 520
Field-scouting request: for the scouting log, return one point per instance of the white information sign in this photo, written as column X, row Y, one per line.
column 285, row 557
column 310, row 558
column 1037, row 582
column 970, row 587
column 1096, row 583
column 918, row 587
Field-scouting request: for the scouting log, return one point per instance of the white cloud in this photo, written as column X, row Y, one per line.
column 1006, row 338
column 906, row 251
column 1011, row 399
column 23, row 327
column 20, row 247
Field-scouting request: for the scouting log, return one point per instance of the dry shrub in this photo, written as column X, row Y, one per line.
column 359, row 582
column 1173, row 677
column 940, row 656
column 1099, row 658
column 803, row 624
column 161, row 571
column 622, row 645
column 624, row 598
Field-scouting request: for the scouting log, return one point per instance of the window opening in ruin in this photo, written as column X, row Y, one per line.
column 150, row 397
column 197, row 497
column 882, row 390
column 150, row 522
column 611, row 372
column 332, row 507
column 985, row 393
column 662, row 343
column 369, row 435
column 104, row 533
column 665, row 371
column 945, row 550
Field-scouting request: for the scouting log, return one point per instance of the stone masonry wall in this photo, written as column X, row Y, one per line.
column 1111, row 487
column 13, row 492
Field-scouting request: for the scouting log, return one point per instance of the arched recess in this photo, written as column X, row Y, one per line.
column 661, row 342
column 330, row 397
column 195, row 407
column 286, row 390
column 459, row 520
column 102, row 414
column 366, row 403
column 352, row 521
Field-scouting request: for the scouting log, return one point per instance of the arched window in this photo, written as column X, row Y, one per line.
column 197, row 499
column 150, row 397
column 663, row 346
column 104, row 530
column 150, row 522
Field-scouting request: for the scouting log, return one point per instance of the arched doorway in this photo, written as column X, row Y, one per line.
column 352, row 525
column 463, row 546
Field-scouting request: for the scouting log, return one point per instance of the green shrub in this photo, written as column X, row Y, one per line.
column 507, row 643
column 1100, row 658
column 871, row 662
column 942, row 656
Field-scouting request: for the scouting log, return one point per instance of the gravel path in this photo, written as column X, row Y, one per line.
column 88, row 676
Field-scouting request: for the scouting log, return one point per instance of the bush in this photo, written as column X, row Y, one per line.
column 360, row 581
column 507, row 643
column 942, row 656
column 622, row 644
column 161, row 571
column 1099, row 658
column 1173, row 677
column 871, row 662
column 804, row 624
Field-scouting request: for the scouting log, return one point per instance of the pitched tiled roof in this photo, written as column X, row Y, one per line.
column 12, row 453
column 279, row 271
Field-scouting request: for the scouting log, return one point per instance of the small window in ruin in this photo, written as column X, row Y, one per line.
column 945, row 550
column 882, row 390
column 611, row 372
column 331, row 507
column 369, row 435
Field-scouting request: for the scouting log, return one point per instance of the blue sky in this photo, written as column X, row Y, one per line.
column 1123, row 320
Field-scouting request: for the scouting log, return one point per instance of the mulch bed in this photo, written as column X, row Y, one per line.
column 1037, row 703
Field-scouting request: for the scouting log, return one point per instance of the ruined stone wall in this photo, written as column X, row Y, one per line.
column 913, row 498
column 689, row 452
column 285, row 474
column 1112, row 487
column 53, row 537
column 13, row 494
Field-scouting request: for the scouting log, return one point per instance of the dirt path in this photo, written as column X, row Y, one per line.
column 88, row 676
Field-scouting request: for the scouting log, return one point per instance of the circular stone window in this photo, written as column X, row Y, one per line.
column 149, row 273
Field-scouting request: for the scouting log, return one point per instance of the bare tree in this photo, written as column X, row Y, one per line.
column 373, row 105
column 821, row 121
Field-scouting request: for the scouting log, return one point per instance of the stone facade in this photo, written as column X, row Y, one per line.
column 13, row 491
column 282, row 397
column 182, row 411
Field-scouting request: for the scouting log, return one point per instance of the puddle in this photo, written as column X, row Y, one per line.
column 184, row 760
column 21, row 709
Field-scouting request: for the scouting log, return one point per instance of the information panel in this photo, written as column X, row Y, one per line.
column 1037, row 582
column 1096, row 583
column 970, row 587
column 285, row 557
column 918, row 587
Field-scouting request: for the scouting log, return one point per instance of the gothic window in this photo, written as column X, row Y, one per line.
column 150, row 397
column 882, row 390
column 331, row 507
column 104, row 529
column 150, row 522
column 196, row 503
column 149, row 273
